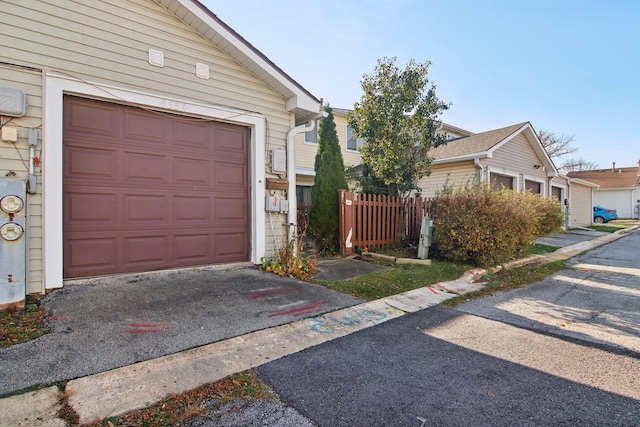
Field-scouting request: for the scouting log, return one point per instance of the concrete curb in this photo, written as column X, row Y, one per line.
column 136, row 386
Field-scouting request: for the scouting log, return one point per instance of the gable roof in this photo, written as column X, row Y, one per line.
column 611, row 178
column 193, row 13
column 448, row 128
column 484, row 144
column 476, row 145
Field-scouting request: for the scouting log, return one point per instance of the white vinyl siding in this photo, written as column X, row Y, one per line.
column 458, row 174
column 350, row 157
column 14, row 158
column 581, row 205
column 517, row 157
column 111, row 39
column 305, row 152
column 107, row 43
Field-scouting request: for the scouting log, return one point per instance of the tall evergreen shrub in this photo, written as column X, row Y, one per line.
column 330, row 177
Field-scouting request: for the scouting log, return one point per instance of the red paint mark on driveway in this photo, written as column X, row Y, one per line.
column 300, row 311
column 145, row 328
column 441, row 286
column 269, row 292
column 57, row 318
column 432, row 290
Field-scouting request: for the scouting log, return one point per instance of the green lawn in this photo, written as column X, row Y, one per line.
column 610, row 227
column 538, row 249
column 506, row 280
column 401, row 278
column 406, row 277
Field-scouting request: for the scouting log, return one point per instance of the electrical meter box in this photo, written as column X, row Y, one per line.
column 13, row 271
column 272, row 203
column 276, row 203
column 278, row 160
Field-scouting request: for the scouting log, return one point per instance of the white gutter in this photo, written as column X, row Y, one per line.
column 472, row 156
column 292, row 215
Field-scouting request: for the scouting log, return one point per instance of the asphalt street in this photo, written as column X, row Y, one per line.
column 563, row 351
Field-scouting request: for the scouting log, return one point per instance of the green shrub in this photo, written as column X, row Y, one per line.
column 324, row 220
column 485, row 227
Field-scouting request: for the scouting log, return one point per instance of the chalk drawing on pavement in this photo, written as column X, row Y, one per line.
column 328, row 324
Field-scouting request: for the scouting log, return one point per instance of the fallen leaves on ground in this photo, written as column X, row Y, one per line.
column 20, row 327
column 176, row 409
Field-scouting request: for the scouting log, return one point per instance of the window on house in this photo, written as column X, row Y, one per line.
column 556, row 193
column 499, row 182
column 353, row 143
column 303, row 194
column 533, row 186
column 312, row 136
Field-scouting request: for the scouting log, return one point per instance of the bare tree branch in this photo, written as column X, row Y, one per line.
column 573, row 165
column 556, row 146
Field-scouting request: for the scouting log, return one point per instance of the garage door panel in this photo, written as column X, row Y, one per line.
column 191, row 171
column 146, row 126
column 231, row 209
column 94, row 119
column 146, row 209
column 88, row 209
column 91, row 163
column 169, row 193
column 230, row 175
column 194, row 136
column 192, row 210
column 232, row 141
column 145, row 250
column 144, row 167
column 229, row 244
column 90, row 255
column 192, row 248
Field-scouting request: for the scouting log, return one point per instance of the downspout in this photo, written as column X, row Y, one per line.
column 478, row 166
column 292, row 215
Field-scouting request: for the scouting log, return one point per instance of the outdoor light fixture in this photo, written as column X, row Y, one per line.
column 537, row 166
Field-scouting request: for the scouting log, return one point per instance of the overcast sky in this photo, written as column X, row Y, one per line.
column 571, row 67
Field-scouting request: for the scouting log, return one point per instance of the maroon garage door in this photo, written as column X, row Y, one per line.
column 147, row 191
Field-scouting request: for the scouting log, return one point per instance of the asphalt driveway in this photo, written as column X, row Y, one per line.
column 105, row 324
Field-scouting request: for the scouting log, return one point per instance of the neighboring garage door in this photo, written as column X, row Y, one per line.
column 148, row 191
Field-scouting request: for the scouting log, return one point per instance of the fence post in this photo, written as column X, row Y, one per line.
column 346, row 222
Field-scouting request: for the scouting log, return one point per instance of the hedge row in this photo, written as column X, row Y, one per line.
column 487, row 227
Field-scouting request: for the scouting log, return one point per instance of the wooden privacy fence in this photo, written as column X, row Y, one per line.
column 368, row 220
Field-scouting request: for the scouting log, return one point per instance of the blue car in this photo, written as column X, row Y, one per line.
column 602, row 215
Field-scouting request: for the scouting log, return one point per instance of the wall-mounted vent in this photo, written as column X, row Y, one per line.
column 13, row 102
column 156, row 57
column 202, row 71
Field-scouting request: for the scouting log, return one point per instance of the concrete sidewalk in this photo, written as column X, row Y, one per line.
column 138, row 385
